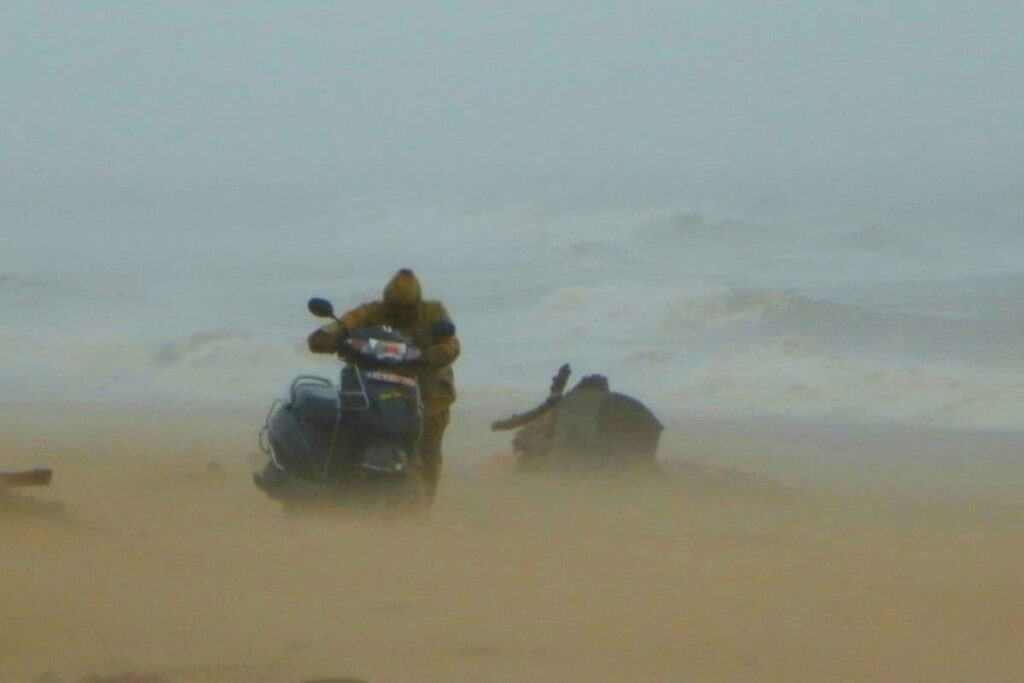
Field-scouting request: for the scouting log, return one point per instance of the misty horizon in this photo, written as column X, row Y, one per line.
column 581, row 104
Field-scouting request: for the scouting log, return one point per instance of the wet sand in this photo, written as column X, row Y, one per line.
column 755, row 553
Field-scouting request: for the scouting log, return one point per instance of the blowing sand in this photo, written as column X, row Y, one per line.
column 753, row 554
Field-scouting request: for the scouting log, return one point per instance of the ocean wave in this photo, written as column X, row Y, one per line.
column 688, row 227
column 733, row 315
column 786, row 381
column 714, row 316
column 197, row 347
column 781, row 377
column 654, row 310
column 746, row 306
column 602, row 253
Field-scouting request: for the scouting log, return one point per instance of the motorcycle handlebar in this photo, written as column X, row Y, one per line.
column 345, row 351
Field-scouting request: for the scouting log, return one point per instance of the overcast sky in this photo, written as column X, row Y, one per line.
column 510, row 100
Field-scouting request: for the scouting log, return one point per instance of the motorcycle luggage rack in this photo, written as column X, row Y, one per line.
column 265, row 444
column 303, row 380
column 361, row 393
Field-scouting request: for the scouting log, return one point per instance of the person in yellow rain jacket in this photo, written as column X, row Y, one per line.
column 404, row 309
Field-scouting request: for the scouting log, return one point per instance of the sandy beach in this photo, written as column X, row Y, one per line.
column 793, row 232
column 753, row 553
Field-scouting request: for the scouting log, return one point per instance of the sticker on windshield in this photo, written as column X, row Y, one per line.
column 390, row 350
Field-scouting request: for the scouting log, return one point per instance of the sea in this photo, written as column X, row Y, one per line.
column 906, row 317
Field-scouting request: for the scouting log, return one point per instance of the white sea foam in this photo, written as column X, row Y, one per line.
column 692, row 313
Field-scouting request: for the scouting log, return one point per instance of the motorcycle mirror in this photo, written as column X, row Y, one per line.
column 443, row 329
column 321, row 308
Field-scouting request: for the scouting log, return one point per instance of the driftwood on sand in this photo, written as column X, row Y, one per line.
column 11, row 501
column 558, row 383
column 37, row 477
column 588, row 424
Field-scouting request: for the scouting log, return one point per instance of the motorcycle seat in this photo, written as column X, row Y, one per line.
column 316, row 404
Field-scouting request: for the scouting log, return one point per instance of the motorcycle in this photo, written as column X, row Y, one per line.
column 357, row 442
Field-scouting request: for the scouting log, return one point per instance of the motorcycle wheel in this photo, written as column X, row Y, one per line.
column 396, row 495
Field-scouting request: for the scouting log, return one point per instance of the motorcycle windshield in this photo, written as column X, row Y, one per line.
column 385, row 350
